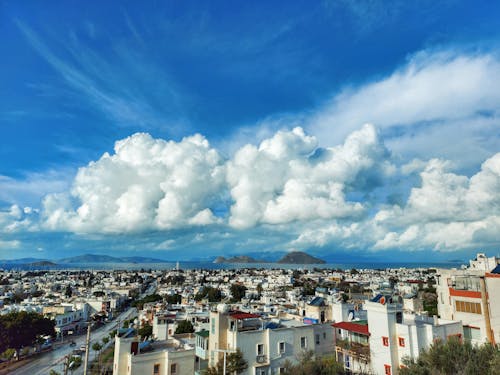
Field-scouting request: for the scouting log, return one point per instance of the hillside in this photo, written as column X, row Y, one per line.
column 299, row 257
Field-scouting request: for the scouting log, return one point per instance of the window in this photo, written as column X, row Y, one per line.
column 401, row 342
column 282, row 370
column 303, row 342
column 385, row 341
column 173, row 368
column 387, row 369
column 281, row 347
column 317, row 339
column 260, row 349
column 156, row 369
column 468, row 307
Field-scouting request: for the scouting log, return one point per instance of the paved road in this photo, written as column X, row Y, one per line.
column 55, row 359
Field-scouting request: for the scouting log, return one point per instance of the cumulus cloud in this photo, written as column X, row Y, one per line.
column 447, row 211
column 15, row 219
column 288, row 178
column 146, row 184
column 435, row 96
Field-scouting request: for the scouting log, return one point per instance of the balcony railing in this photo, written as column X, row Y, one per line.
column 355, row 349
column 261, row 359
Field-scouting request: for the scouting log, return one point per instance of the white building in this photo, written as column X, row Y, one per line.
column 265, row 344
column 395, row 335
column 472, row 295
column 166, row 357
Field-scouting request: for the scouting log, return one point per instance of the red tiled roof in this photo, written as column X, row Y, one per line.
column 353, row 327
column 242, row 315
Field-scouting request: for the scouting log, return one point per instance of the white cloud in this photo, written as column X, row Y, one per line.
column 146, row 184
column 283, row 180
column 9, row 245
column 448, row 211
column 442, row 104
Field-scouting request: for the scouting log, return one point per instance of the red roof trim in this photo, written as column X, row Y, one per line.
column 488, row 274
column 353, row 327
column 243, row 315
column 465, row 293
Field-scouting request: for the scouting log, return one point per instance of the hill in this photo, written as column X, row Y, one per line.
column 299, row 257
column 238, row 259
column 96, row 258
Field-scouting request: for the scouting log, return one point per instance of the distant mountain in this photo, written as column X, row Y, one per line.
column 96, row 258
column 42, row 263
column 299, row 257
column 238, row 259
column 21, row 261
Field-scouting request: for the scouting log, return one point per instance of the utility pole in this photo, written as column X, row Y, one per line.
column 87, row 348
column 66, row 365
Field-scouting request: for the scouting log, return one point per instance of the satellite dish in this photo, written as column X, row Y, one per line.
column 350, row 316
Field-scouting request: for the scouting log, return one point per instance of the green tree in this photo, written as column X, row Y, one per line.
column 22, row 328
column 308, row 364
column 105, row 340
column 259, row 289
column 68, row 292
column 184, row 326
column 145, row 331
column 235, row 364
column 96, row 347
column 453, row 357
column 237, row 292
column 212, row 294
column 174, row 299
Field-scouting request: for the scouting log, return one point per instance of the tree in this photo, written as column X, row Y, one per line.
column 237, row 292
column 235, row 364
column 105, row 340
column 96, row 346
column 259, row 289
column 145, row 331
column 453, row 357
column 68, row 292
column 184, row 326
column 212, row 294
column 22, row 328
column 174, row 299
column 308, row 364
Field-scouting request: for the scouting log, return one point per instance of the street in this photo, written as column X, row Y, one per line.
column 55, row 359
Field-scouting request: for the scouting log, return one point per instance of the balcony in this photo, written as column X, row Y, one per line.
column 355, row 349
column 261, row 360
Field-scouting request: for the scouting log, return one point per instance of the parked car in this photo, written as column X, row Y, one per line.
column 72, row 343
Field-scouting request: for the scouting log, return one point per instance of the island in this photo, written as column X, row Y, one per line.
column 238, row 259
column 294, row 257
column 299, row 257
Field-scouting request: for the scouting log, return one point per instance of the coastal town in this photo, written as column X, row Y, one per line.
column 243, row 320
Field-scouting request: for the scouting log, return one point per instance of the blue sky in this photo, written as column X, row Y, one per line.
column 190, row 130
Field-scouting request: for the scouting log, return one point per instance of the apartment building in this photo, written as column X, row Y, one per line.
column 265, row 344
column 163, row 357
column 472, row 295
column 378, row 344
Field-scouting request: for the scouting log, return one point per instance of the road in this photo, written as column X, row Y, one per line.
column 55, row 359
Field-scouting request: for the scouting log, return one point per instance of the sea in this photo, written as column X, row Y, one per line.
column 219, row 266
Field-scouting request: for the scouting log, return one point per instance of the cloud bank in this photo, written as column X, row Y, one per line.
column 322, row 197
